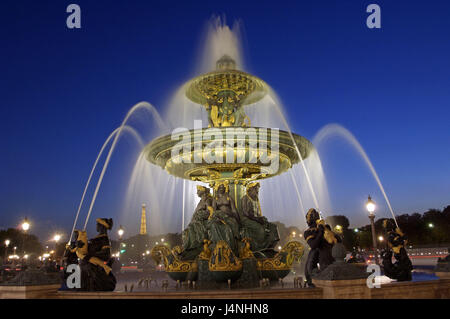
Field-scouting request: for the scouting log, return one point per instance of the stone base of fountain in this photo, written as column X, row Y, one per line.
column 29, row 292
column 222, row 269
column 342, row 280
column 333, row 289
column 31, row 284
column 250, row 277
column 442, row 269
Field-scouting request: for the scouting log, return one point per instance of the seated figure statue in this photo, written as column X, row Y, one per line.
column 262, row 234
column 96, row 274
column 402, row 268
column 320, row 239
column 224, row 222
column 196, row 231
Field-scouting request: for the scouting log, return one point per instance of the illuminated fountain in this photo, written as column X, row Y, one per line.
column 231, row 153
column 228, row 143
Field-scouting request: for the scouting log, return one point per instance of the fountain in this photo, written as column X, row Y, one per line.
column 230, row 156
column 229, row 242
column 225, row 239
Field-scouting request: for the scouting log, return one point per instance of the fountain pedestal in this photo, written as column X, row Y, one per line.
column 442, row 269
column 31, row 284
column 205, row 278
column 342, row 280
column 250, row 274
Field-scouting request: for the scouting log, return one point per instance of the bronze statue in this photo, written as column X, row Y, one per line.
column 96, row 274
column 320, row 239
column 264, row 235
column 196, row 232
column 224, row 221
column 69, row 258
column 401, row 269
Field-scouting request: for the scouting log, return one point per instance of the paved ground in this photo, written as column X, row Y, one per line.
column 132, row 278
column 423, row 270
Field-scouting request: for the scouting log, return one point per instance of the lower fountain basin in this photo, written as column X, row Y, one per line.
column 204, row 154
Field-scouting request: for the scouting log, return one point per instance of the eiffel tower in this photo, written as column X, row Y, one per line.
column 143, row 230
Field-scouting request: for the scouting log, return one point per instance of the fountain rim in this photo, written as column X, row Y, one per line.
column 195, row 96
column 154, row 151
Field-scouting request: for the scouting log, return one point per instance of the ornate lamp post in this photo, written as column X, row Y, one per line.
column 120, row 232
column 7, row 242
column 370, row 205
column 25, row 226
column 56, row 238
column 356, row 230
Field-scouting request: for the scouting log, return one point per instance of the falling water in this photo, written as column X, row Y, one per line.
column 277, row 104
column 220, row 40
column 127, row 129
column 163, row 195
column 300, row 202
column 182, row 112
column 141, row 105
column 152, row 185
column 338, row 130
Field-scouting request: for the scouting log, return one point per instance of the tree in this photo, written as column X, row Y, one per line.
column 340, row 220
column 24, row 242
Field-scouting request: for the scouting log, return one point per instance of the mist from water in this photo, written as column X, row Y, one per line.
column 163, row 195
column 220, row 40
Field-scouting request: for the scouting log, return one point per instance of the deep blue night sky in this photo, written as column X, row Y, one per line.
column 63, row 91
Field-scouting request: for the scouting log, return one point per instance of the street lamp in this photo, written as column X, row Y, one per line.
column 120, row 232
column 25, row 225
column 370, row 205
column 7, row 242
column 56, row 238
column 430, row 225
column 356, row 230
column 380, row 238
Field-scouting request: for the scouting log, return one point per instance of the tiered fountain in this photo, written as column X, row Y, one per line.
column 230, row 156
